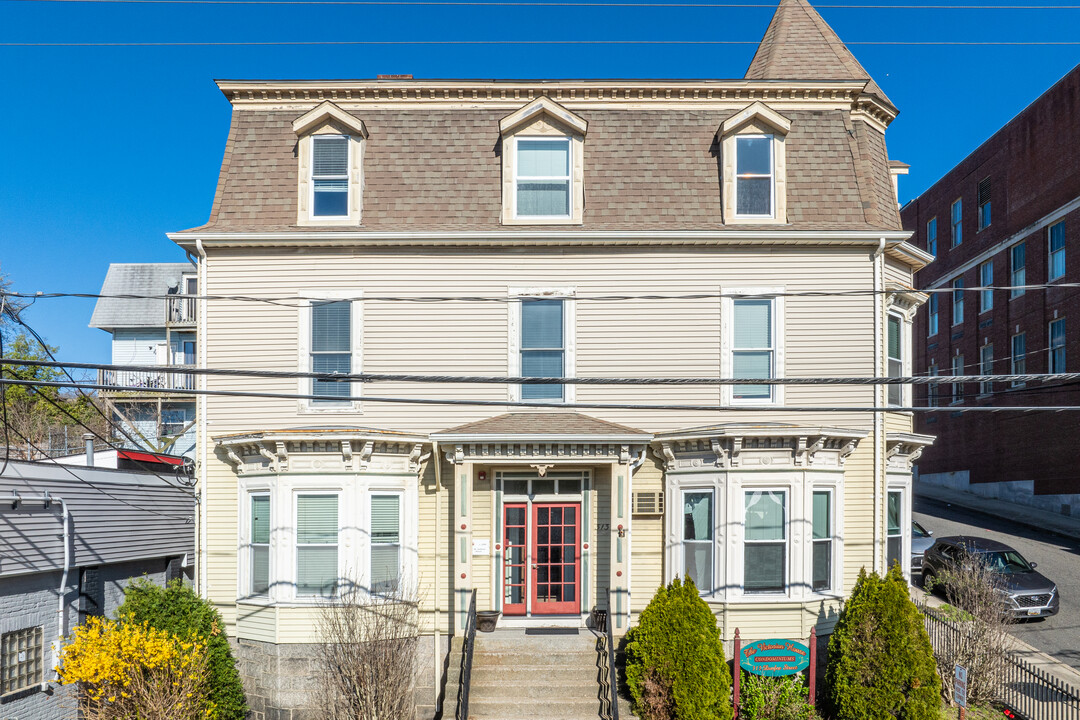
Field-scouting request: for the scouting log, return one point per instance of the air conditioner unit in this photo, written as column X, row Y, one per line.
column 648, row 503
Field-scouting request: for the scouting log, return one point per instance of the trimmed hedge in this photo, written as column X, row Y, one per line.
column 176, row 608
column 880, row 662
column 675, row 666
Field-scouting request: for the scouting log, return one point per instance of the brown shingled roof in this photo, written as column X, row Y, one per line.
column 800, row 45
column 542, row 424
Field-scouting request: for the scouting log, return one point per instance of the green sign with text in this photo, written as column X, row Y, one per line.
column 774, row 657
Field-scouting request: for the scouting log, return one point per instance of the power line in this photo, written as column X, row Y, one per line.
column 497, row 3
column 441, row 43
column 574, row 405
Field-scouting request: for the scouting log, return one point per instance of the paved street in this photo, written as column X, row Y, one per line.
column 1058, row 559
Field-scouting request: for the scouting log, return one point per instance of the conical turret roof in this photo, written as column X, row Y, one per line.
column 800, row 45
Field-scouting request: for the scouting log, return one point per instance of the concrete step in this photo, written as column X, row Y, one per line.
column 516, row 640
column 576, row 710
column 508, row 692
column 514, row 658
column 538, row 674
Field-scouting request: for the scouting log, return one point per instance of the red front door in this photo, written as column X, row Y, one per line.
column 515, row 532
column 556, row 558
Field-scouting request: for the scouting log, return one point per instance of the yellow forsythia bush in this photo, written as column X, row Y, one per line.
column 127, row 671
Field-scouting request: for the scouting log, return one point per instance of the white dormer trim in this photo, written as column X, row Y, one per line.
column 760, row 112
column 329, row 119
column 754, row 119
column 326, row 112
column 543, row 105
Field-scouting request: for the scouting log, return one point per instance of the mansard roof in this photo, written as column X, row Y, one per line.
column 800, row 45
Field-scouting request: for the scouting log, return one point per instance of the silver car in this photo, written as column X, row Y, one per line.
column 921, row 540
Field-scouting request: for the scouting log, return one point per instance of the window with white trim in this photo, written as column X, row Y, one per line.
column 385, row 543
column 542, row 182
column 317, row 529
column 986, row 367
column 1056, row 262
column 543, row 346
column 22, row 664
column 765, row 541
column 1018, row 364
column 957, row 215
column 259, row 544
column 957, row 387
column 822, row 542
column 329, row 176
column 331, row 348
column 1057, row 346
column 754, row 176
column 896, row 358
column 931, row 236
column 984, row 203
column 1018, row 274
column 698, row 540
column 932, row 309
column 986, row 279
column 894, row 532
column 958, row 301
column 753, row 350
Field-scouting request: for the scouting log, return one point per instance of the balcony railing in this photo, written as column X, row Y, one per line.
column 159, row 381
column 181, row 310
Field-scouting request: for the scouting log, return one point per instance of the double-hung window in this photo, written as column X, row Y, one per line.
column 822, row 541
column 986, row 279
column 932, row 388
column 1018, row 366
column 894, row 534
column 957, row 212
column 260, row 544
column 754, row 180
column 316, row 544
column 331, row 349
column 543, row 351
column 986, row 367
column 931, row 236
column 984, row 203
column 698, row 538
column 1057, row 346
column 330, row 175
column 765, row 544
column 1018, row 275
column 753, row 347
column 1056, row 264
column 932, row 320
column 543, row 182
column 957, row 387
column 385, row 543
column 896, row 358
column 958, row 301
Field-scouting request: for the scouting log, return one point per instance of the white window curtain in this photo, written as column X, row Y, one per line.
column 260, row 544
column 752, row 352
column 331, row 348
column 542, row 351
column 543, row 177
column 698, row 538
column 765, row 545
column 385, row 543
column 316, row 544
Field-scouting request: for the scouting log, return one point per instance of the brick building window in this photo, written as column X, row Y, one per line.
column 986, row 279
column 957, row 388
column 984, row 203
column 1057, row 346
column 932, row 320
column 957, row 222
column 1018, row 273
column 932, row 388
column 958, row 301
column 931, row 236
column 21, row 663
column 1018, row 366
column 1056, row 262
column 986, row 367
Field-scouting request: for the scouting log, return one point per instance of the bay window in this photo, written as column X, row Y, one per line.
column 385, row 543
column 698, row 538
column 765, row 543
column 894, row 532
column 260, row 544
column 317, row 528
column 896, row 358
column 821, row 574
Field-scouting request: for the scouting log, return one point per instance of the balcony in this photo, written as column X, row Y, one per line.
column 181, row 310
column 138, row 383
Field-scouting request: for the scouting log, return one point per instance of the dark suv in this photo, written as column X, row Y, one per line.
column 1029, row 594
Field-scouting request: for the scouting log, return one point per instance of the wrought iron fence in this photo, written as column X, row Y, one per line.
column 1021, row 684
column 609, row 683
column 465, row 679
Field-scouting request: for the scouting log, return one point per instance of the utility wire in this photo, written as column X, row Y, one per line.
column 443, row 43
column 499, row 3
column 570, row 406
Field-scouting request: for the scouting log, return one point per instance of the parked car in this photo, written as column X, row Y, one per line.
column 1028, row 593
column 921, row 540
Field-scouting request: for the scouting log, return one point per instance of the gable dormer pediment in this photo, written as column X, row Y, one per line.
column 759, row 115
column 543, row 107
column 327, row 113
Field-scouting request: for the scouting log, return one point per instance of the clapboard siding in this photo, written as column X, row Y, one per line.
column 646, row 540
column 116, row 516
column 137, row 346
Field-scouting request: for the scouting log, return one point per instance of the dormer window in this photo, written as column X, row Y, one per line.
column 330, row 174
column 543, row 180
column 752, row 149
column 754, row 177
column 543, row 165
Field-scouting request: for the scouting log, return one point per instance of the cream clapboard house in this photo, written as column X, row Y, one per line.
column 537, row 220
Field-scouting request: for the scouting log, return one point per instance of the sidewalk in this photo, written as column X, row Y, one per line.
column 1022, row 514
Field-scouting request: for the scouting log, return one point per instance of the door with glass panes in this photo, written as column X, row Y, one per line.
column 542, row 558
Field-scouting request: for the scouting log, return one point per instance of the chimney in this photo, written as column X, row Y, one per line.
column 88, row 438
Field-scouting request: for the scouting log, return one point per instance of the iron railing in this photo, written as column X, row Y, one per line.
column 609, row 681
column 1021, row 684
column 466, row 661
column 163, row 380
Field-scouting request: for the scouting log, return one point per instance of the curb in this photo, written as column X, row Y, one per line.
column 1031, row 518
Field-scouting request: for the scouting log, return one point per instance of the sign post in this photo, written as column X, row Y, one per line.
column 959, row 688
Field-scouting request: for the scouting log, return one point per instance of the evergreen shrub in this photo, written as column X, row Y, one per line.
column 774, row 698
column 178, row 610
column 675, row 666
column 880, row 662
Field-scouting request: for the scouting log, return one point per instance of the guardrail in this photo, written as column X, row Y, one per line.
column 132, row 380
column 609, row 681
column 181, row 311
column 466, row 661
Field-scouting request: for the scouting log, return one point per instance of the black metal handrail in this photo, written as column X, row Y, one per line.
column 609, row 680
column 466, row 661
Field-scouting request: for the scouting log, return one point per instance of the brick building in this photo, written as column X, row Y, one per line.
column 1007, row 216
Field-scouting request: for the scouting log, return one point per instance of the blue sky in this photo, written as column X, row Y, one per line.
column 109, row 148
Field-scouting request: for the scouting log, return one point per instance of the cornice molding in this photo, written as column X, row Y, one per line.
column 552, row 453
column 297, row 451
column 756, row 447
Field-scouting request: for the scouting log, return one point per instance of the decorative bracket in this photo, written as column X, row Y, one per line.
column 669, row 456
column 236, row 460
column 417, row 457
column 541, row 470
column 845, row 452
column 457, row 455
column 719, row 451
column 365, row 454
column 269, row 456
column 736, row 450
column 346, row 451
